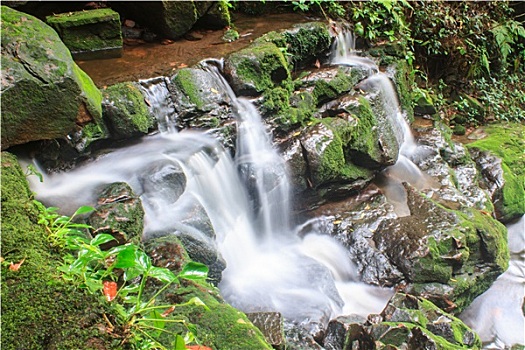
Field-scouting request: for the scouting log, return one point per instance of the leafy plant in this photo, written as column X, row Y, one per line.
column 121, row 275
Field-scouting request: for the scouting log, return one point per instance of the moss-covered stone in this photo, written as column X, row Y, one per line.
column 119, row 212
column 44, row 93
column 125, row 111
column 89, row 34
column 257, row 68
column 404, row 81
column 507, row 142
column 329, row 88
column 39, row 310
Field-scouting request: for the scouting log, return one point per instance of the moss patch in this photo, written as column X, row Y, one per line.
column 507, row 142
column 39, row 310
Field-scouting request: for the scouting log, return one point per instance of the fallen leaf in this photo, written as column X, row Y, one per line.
column 197, row 347
column 183, row 65
column 16, row 267
column 317, row 64
column 167, row 42
column 167, row 312
column 109, row 290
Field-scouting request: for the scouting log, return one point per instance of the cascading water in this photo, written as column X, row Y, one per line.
column 309, row 278
column 390, row 181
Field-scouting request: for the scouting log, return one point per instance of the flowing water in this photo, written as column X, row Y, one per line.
column 272, row 265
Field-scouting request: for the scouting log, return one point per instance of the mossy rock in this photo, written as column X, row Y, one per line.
column 304, row 43
column 39, row 309
column 335, row 83
column 90, row 33
column 120, row 213
column 418, row 323
column 404, row 81
column 202, row 100
column 507, row 141
column 125, row 111
column 257, row 68
column 449, row 257
column 44, row 93
column 217, row 325
column 217, row 16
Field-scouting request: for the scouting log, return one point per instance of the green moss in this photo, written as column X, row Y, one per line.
column 187, row 82
column 404, row 82
column 344, row 81
column 306, row 41
column 262, row 64
column 125, row 111
column 39, row 310
column 334, row 165
column 83, row 17
column 507, row 141
column 90, row 92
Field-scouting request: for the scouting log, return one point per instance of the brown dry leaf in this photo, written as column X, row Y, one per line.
column 317, row 64
column 183, row 65
column 167, row 312
column 16, row 267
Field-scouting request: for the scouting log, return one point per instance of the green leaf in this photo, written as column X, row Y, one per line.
column 126, row 257
column 197, row 302
column 179, row 343
column 101, row 239
column 143, row 260
column 84, row 210
column 132, row 273
column 194, row 271
column 162, row 274
column 93, row 285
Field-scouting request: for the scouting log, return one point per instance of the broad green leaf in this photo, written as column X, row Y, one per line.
column 197, row 302
column 194, row 271
column 143, row 260
column 162, row 274
column 126, row 258
column 132, row 273
column 84, row 210
column 101, row 239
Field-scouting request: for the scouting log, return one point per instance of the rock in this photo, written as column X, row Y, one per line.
column 258, row 67
column 332, row 82
column 347, row 332
column 125, row 111
column 91, row 34
column 271, row 325
column 230, row 35
column 216, row 17
column 44, row 93
column 202, row 101
column 506, row 142
column 119, row 213
column 297, row 338
column 305, row 42
column 169, row 19
column 419, row 324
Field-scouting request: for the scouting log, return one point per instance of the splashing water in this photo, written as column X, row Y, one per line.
column 309, row 278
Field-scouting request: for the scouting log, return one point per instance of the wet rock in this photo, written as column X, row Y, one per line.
column 154, row 180
column 89, row 34
column 119, row 213
column 36, row 63
column 125, row 111
column 347, row 332
column 331, row 82
column 419, row 324
column 216, row 17
column 259, row 67
column 297, row 338
column 202, row 101
column 271, row 325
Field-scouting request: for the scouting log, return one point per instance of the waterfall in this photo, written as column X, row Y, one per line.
column 404, row 170
column 160, row 104
column 308, row 277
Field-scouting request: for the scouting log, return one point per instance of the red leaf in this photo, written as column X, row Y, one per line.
column 109, row 290
column 16, row 267
column 197, row 347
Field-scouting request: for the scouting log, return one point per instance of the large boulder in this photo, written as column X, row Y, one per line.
column 507, row 191
column 89, row 34
column 172, row 19
column 45, row 95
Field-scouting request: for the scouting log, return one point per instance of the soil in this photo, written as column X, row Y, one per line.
column 142, row 60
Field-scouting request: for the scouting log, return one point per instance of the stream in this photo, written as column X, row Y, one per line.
column 271, row 263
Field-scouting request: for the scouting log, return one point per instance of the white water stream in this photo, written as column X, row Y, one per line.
column 309, row 278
